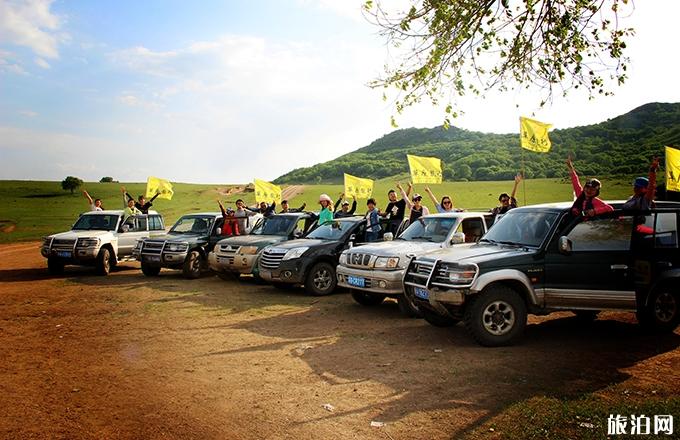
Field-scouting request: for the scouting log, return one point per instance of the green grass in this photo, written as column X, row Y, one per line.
column 40, row 208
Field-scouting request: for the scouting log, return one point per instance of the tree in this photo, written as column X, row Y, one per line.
column 454, row 47
column 106, row 179
column 71, row 183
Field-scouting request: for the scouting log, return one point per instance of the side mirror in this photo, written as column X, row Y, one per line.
column 388, row 236
column 297, row 234
column 458, row 238
column 564, row 245
column 218, row 231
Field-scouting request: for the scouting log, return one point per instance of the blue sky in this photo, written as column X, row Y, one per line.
column 224, row 92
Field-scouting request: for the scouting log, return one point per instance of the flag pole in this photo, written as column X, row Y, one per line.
column 524, row 181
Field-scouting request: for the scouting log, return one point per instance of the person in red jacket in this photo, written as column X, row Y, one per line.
column 230, row 225
column 587, row 202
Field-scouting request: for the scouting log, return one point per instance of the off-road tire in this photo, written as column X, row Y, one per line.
column 150, row 271
column 496, row 317
column 104, row 261
column 321, row 279
column 407, row 308
column 436, row 319
column 662, row 313
column 193, row 265
column 367, row 299
column 55, row 266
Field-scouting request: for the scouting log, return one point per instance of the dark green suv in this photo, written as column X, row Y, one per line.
column 540, row 259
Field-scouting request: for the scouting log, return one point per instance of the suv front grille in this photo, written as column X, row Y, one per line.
column 419, row 273
column 228, row 249
column 358, row 259
column 61, row 244
column 152, row 247
column 271, row 260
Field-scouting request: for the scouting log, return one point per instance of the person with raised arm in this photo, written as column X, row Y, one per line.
column 508, row 202
column 415, row 204
column 230, row 225
column 95, row 205
column 446, row 204
column 345, row 210
column 587, row 202
column 141, row 202
column 644, row 189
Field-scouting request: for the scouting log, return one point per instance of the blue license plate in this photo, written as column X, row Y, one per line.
column 64, row 254
column 421, row 293
column 356, row 281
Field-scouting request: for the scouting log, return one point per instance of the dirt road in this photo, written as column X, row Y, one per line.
column 126, row 356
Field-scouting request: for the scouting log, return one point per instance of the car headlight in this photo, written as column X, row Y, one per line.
column 177, row 247
column 88, row 242
column 46, row 241
column 295, row 253
column 386, row 262
column 248, row 250
column 343, row 258
column 459, row 274
column 138, row 245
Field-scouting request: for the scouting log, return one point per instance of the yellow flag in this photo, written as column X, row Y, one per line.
column 425, row 169
column 672, row 169
column 267, row 192
column 358, row 187
column 534, row 135
column 154, row 185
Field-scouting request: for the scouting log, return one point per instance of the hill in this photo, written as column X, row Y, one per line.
column 617, row 147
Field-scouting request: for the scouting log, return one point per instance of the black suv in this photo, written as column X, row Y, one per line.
column 312, row 260
column 185, row 246
column 540, row 259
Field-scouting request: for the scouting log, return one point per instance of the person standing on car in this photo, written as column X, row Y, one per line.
column 643, row 190
column 326, row 214
column 395, row 210
column 242, row 216
column 415, row 204
column 141, row 202
column 345, row 210
column 507, row 202
column 372, row 221
column 446, row 204
column 587, row 202
column 264, row 209
column 230, row 225
column 95, row 205
column 285, row 208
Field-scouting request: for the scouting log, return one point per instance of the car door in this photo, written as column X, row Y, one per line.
column 215, row 234
column 597, row 271
column 135, row 228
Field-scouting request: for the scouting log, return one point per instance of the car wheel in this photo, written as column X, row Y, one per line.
column 662, row 313
column 321, row 280
column 150, row 271
column 407, row 308
column 229, row 276
column 55, row 266
column 367, row 299
column 193, row 265
column 437, row 319
column 104, row 261
column 496, row 316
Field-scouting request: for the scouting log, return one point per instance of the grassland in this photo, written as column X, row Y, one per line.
column 31, row 209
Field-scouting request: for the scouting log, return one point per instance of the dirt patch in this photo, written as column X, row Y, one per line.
column 127, row 356
column 7, row 226
column 292, row 191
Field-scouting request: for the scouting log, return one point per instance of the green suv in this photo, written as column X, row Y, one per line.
column 540, row 259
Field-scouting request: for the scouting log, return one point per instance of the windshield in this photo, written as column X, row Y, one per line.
column 332, row 230
column 97, row 222
column 277, row 225
column 522, row 228
column 192, row 225
column 434, row 229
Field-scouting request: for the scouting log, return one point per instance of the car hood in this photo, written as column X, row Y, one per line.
column 397, row 248
column 179, row 238
column 300, row 242
column 252, row 240
column 479, row 253
column 72, row 235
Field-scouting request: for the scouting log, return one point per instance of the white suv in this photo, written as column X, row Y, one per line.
column 100, row 239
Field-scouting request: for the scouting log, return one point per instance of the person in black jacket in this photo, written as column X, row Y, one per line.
column 345, row 210
column 285, row 208
column 141, row 202
column 264, row 209
column 395, row 209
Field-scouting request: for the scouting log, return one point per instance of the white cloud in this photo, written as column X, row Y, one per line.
column 31, row 24
column 28, row 113
column 42, row 63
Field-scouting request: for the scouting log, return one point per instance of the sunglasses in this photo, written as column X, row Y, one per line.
column 417, row 199
column 446, row 202
column 505, row 200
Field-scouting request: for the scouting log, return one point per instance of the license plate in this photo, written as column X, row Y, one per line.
column 64, row 254
column 356, row 281
column 421, row 293
column 152, row 258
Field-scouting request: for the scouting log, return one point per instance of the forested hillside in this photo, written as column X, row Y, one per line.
column 620, row 146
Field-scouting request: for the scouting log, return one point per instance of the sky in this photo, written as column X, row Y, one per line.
column 228, row 91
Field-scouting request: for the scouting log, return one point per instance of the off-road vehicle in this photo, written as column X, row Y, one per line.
column 185, row 247
column 100, row 239
column 238, row 255
column 375, row 271
column 541, row 259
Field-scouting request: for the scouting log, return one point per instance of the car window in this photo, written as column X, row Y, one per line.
column 140, row 224
column 606, row 234
column 301, row 226
column 155, row 223
column 472, row 228
column 660, row 229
